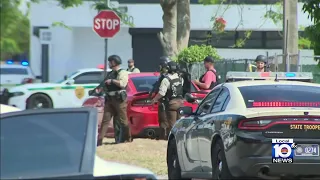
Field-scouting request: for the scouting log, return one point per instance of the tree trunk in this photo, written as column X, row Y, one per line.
column 168, row 36
column 291, row 26
column 183, row 24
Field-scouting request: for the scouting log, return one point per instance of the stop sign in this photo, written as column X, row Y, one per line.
column 106, row 24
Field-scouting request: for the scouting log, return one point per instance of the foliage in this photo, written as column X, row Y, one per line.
column 312, row 7
column 194, row 54
column 14, row 38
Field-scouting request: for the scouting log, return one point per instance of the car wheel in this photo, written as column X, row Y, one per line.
column 220, row 168
column 38, row 101
column 174, row 170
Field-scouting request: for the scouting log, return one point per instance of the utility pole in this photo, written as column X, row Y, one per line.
column 290, row 33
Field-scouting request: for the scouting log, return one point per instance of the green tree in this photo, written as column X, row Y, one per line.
column 313, row 32
column 14, row 32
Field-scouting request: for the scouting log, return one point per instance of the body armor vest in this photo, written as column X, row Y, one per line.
column 113, row 75
column 213, row 84
column 175, row 89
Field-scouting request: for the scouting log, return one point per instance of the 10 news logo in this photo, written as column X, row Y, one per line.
column 283, row 150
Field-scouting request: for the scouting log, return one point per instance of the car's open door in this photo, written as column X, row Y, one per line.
column 48, row 144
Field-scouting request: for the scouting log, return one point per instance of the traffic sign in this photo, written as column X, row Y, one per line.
column 106, row 24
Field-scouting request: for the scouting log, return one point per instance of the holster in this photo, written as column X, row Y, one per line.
column 121, row 95
column 162, row 107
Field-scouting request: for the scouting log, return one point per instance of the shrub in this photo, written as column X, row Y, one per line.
column 195, row 54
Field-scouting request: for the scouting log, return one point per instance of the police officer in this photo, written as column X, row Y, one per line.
column 163, row 67
column 261, row 63
column 171, row 95
column 116, row 102
column 131, row 67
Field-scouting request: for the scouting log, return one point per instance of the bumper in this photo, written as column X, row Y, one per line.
column 18, row 101
column 143, row 122
column 252, row 158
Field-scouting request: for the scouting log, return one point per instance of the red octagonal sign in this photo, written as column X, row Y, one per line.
column 106, row 24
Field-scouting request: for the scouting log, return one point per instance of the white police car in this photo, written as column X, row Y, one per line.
column 68, row 92
column 15, row 73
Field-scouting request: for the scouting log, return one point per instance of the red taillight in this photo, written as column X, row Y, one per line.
column 27, row 80
column 254, row 124
column 141, row 102
column 285, row 104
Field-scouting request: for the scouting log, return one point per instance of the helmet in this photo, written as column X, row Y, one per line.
column 164, row 60
column 115, row 58
column 261, row 58
column 172, row 66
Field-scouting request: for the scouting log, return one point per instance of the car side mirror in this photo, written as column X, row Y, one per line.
column 185, row 111
column 70, row 81
column 189, row 98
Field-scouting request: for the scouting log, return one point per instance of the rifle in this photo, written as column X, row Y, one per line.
column 101, row 88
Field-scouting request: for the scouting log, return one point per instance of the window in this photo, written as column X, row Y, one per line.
column 282, row 95
column 13, row 71
column 88, row 78
column 42, row 144
column 144, row 83
column 207, row 102
column 218, row 105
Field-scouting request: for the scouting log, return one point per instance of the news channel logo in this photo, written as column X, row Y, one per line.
column 283, row 150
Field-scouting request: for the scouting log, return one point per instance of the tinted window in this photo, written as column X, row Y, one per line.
column 280, row 93
column 217, row 107
column 13, row 71
column 37, row 144
column 88, row 78
column 208, row 101
column 144, row 83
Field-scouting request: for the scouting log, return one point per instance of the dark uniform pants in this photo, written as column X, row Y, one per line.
column 162, row 120
column 118, row 110
column 171, row 116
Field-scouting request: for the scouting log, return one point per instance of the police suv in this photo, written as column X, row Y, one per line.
column 258, row 124
column 68, row 92
column 14, row 74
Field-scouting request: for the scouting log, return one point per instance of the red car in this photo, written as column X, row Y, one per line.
column 142, row 116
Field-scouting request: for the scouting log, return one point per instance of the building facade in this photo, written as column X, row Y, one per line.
column 57, row 51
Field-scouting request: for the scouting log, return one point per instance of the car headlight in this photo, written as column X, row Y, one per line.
column 13, row 94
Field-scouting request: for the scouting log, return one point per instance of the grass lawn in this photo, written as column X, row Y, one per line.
column 145, row 153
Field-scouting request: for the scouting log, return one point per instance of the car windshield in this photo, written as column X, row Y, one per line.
column 144, row 83
column 69, row 76
column 42, row 144
column 281, row 96
column 13, row 71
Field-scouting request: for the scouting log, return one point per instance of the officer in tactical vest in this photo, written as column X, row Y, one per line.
column 261, row 63
column 116, row 102
column 171, row 95
column 163, row 67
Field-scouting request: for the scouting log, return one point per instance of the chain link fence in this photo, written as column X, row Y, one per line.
column 275, row 64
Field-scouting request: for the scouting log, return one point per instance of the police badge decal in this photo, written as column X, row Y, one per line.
column 79, row 92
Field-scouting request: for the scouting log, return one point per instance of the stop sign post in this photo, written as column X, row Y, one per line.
column 106, row 24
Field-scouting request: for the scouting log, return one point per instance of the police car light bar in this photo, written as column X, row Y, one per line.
column 269, row 75
column 23, row 62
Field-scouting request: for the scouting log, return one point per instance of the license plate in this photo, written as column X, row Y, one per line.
column 307, row 150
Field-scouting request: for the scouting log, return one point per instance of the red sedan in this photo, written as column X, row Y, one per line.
column 142, row 116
